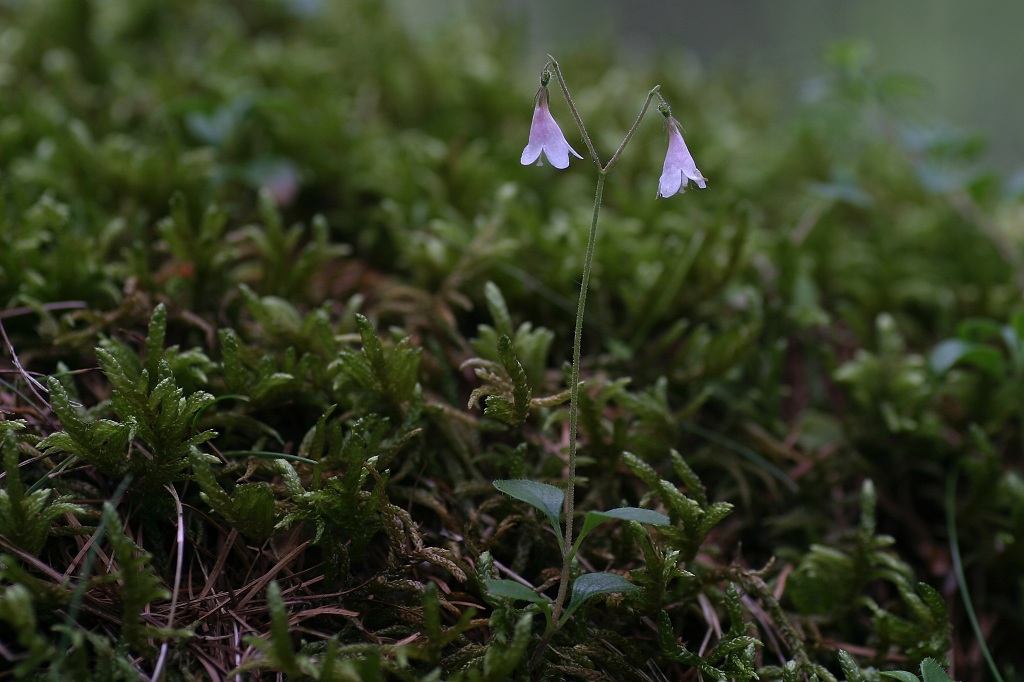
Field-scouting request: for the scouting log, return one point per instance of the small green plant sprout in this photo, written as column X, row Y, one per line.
column 154, row 434
column 26, row 517
column 546, row 138
column 388, row 373
column 550, row 500
column 831, row 581
column 531, row 346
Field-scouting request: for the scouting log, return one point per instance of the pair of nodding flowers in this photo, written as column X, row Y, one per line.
column 547, row 138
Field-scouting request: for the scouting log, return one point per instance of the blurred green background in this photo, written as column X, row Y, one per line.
column 968, row 55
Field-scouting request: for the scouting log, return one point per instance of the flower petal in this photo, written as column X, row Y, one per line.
column 546, row 137
column 530, row 153
column 670, row 183
column 558, row 154
column 679, row 165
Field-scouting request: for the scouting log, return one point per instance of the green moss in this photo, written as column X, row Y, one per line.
column 253, row 252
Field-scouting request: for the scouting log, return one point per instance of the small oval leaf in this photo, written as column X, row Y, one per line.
column 901, row 675
column 593, row 584
column 513, row 590
column 648, row 516
column 931, row 671
column 955, row 351
column 545, row 497
column 593, row 519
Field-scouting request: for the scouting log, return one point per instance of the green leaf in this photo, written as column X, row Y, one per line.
column 901, row 675
column 956, row 351
column 26, row 518
column 693, row 484
column 280, row 638
column 593, row 519
column 510, row 589
column 648, row 516
column 498, row 309
column 713, row 515
column 850, row 669
column 978, row 329
column 140, row 585
column 254, row 511
column 591, row 585
column 931, row 671
column 547, row 498
column 155, row 338
column 102, row 443
column 373, row 349
column 390, row 373
column 502, row 409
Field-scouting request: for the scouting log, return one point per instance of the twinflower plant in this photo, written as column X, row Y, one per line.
column 546, row 138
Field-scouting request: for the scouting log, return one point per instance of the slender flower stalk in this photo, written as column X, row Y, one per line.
column 546, row 137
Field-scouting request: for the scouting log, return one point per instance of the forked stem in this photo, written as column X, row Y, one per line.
column 574, row 400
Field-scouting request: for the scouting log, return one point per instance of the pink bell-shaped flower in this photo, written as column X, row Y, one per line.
column 679, row 167
column 546, row 137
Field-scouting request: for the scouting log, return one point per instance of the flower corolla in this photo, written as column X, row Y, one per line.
column 546, row 137
column 679, row 166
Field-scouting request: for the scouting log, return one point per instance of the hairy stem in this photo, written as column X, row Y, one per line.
column 574, row 400
column 575, row 113
column 574, row 416
column 636, row 124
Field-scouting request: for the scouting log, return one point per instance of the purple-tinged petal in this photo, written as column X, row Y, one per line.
column 679, row 166
column 671, row 181
column 546, row 137
column 530, row 154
